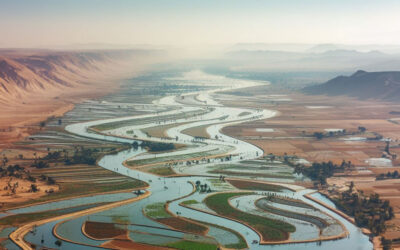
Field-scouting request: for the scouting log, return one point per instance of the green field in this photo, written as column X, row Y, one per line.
column 156, row 211
column 185, row 245
column 271, row 230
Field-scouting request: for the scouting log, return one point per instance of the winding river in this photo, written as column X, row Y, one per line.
column 165, row 189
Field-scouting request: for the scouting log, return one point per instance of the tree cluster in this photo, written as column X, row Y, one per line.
column 369, row 212
column 157, row 146
column 319, row 172
column 388, row 175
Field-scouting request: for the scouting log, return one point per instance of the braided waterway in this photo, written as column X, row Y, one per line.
column 172, row 188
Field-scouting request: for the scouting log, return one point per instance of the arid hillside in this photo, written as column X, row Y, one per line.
column 36, row 84
column 363, row 85
column 26, row 73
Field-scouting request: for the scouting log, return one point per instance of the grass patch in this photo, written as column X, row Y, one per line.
column 183, row 225
column 270, row 230
column 156, row 211
column 184, row 244
column 249, row 185
column 244, row 113
column 164, row 171
column 190, row 202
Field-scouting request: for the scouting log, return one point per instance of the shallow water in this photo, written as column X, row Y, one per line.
column 178, row 187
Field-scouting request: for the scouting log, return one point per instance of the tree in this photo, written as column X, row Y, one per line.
column 351, row 187
column 361, row 129
column 318, row 135
column 42, row 124
column 34, row 188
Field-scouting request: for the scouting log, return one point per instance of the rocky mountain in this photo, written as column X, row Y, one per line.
column 363, row 85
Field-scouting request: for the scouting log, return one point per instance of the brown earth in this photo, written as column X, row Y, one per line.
column 296, row 122
column 102, row 230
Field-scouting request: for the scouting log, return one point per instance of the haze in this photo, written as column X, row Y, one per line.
column 47, row 23
column 200, row 124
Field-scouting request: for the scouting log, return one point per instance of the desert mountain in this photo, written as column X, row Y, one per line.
column 37, row 84
column 23, row 74
column 364, row 85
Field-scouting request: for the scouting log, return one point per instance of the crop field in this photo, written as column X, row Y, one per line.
column 158, row 212
column 271, row 230
column 141, row 121
column 178, row 158
column 250, row 185
column 294, row 127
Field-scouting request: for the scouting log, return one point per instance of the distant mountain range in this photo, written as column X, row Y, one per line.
column 339, row 60
column 363, row 85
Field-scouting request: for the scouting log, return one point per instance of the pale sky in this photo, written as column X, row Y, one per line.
column 38, row 23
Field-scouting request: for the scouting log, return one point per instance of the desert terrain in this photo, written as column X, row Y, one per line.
column 38, row 84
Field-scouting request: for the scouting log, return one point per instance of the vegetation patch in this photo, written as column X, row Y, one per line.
column 157, row 146
column 319, row 222
column 251, row 174
column 244, row 113
column 20, row 219
column 190, row 202
column 270, row 230
column 164, row 171
column 319, row 172
column 183, row 225
column 370, row 212
column 158, row 212
column 250, row 185
column 241, row 244
column 184, row 244
column 134, row 122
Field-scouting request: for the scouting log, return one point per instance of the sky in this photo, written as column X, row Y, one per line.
column 43, row 23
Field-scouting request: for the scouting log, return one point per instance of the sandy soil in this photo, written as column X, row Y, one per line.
column 22, row 192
